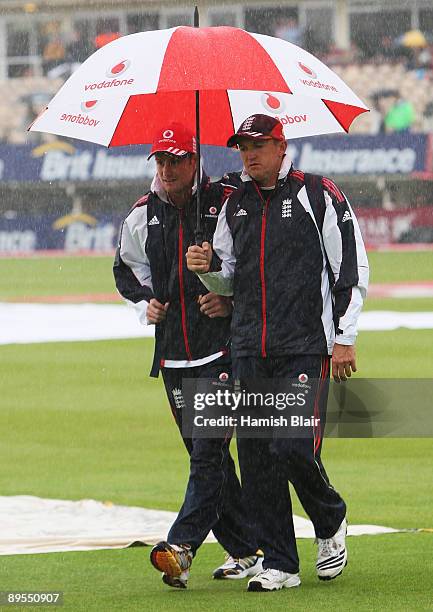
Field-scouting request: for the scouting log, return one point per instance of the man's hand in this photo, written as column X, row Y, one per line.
column 198, row 259
column 156, row 311
column 213, row 305
column 343, row 362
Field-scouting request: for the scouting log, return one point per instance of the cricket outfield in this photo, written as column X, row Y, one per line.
column 83, row 420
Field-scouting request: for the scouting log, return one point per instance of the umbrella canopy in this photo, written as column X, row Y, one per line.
column 125, row 91
column 414, row 39
column 106, row 37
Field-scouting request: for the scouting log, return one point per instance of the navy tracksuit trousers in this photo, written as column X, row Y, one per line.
column 267, row 466
column 213, row 497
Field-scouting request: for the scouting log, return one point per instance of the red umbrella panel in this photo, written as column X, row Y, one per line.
column 135, row 120
column 125, row 91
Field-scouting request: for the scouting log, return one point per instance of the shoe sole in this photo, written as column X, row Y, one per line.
column 163, row 559
column 173, row 581
column 239, row 576
column 328, row 578
column 257, row 587
column 230, row 576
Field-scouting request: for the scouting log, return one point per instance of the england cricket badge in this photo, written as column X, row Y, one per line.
column 286, row 209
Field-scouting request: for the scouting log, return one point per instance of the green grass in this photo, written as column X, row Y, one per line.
column 55, row 276
column 83, row 420
column 400, row 304
column 74, row 275
column 400, row 266
column 375, row 579
column 402, row 353
column 79, row 413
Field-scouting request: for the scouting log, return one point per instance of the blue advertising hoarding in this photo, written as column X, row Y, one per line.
column 72, row 233
column 329, row 155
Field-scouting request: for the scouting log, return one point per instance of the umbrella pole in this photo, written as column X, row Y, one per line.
column 198, row 228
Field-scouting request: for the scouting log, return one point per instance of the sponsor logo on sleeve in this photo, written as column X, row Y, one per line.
column 346, row 217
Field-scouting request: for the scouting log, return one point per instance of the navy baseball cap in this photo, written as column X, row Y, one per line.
column 258, row 127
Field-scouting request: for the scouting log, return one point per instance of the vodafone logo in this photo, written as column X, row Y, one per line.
column 272, row 103
column 81, row 119
column 212, row 212
column 223, row 376
column 307, row 70
column 89, row 105
column 168, row 134
column 303, row 378
column 118, row 69
column 290, row 119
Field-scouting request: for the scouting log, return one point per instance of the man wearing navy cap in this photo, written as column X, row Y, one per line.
column 192, row 335
column 294, row 260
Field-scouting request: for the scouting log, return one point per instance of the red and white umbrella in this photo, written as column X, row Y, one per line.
column 125, row 92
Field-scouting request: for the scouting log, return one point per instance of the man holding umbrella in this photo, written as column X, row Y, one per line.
column 192, row 333
column 296, row 239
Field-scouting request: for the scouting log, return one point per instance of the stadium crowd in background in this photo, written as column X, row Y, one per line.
column 394, row 77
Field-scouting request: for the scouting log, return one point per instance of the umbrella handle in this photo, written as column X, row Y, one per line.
column 199, row 237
